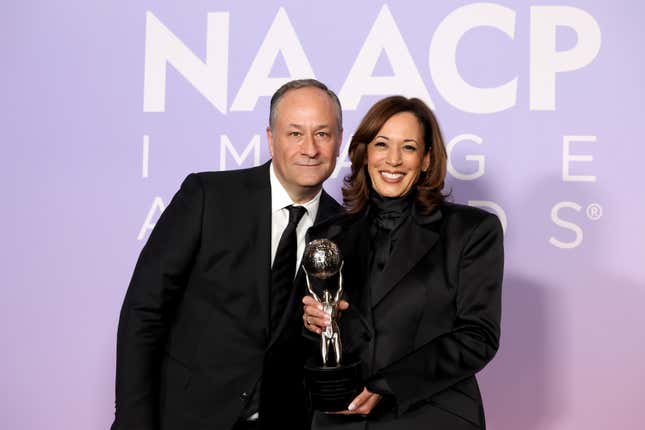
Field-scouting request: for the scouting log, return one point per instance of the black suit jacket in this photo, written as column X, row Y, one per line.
column 193, row 336
column 430, row 324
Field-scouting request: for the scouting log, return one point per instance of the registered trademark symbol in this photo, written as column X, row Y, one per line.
column 594, row 211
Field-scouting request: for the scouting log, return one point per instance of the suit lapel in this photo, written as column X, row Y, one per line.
column 327, row 208
column 356, row 245
column 259, row 193
column 416, row 239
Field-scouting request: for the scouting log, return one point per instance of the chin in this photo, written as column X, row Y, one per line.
column 389, row 194
column 314, row 179
column 311, row 182
column 391, row 191
column 392, row 195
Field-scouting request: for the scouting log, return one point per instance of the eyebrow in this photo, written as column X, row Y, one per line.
column 405, row 140
column 317, row 127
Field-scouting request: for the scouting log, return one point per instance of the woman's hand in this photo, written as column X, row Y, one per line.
column 314, row 318
column 362, row 404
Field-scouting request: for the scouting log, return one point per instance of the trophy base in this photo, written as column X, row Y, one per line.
column 331, row 389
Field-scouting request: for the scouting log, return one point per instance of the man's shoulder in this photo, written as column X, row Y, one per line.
column 340, row 223
column 259, row 172
column 229, row 180
column 329, row 206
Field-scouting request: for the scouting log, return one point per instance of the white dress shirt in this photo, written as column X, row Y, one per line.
column 280, row 216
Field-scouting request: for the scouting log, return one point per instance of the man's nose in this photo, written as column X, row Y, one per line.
column 308, row 146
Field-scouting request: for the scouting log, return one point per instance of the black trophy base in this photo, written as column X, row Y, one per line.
column 331, row 389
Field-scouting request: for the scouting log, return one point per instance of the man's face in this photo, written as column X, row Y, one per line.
column 304, row 142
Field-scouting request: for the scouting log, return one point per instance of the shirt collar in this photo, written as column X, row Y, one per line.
column 280, row 198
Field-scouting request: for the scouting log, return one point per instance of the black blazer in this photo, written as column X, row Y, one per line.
column 430, row 324
column 193, row 336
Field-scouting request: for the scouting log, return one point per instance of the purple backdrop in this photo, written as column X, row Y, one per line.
column 543, row 104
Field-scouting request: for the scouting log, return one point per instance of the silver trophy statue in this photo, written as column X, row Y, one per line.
column 332, row 383
column 322, row 260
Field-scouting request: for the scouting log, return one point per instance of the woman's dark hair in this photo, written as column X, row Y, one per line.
column 357, row 184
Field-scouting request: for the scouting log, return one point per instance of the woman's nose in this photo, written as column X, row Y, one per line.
column 393, row 157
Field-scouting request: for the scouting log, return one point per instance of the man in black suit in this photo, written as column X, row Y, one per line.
column 210, row 329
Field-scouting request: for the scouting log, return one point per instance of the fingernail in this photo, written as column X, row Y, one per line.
column 351, row 407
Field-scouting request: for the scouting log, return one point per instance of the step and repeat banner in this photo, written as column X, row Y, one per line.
column 107, row 106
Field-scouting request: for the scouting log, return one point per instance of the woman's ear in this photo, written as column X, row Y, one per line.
column 425, row 165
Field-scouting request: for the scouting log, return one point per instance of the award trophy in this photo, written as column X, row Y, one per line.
column 332, row 382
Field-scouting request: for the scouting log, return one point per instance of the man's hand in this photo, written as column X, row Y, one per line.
column 362, row 404
column 314, row 318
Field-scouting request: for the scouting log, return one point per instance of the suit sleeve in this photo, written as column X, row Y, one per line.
column 474, row 338
column 157, row 284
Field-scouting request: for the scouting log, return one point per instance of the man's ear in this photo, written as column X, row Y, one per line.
column 270, row 140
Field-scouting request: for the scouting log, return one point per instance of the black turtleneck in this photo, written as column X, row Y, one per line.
column 387, row 215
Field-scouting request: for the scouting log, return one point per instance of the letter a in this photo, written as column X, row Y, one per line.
column 281, row 37
column 384, row 36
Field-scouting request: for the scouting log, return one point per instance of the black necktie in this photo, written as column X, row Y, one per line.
column 284, row 266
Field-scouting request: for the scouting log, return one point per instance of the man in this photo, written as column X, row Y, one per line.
column 210, row 330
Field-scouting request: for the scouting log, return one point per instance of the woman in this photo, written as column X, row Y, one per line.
column 422, row 277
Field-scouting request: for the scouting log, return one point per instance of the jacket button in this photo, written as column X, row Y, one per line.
column 244, row 396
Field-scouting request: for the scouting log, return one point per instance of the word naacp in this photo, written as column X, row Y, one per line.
column 210, row 76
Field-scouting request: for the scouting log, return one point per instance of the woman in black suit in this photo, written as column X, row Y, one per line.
column 423, row 278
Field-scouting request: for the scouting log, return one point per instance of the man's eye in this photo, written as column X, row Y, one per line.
column 295, row 133
column 323, row 134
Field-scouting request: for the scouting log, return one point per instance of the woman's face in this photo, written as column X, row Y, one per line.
column 395, row 157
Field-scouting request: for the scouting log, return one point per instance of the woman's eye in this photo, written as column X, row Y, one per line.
column 410, row 148
column 380, row 144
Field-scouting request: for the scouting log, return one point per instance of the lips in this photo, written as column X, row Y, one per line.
column 311, row 163
column 391, row 176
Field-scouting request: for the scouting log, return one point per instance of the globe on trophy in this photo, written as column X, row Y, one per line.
column 332, row 382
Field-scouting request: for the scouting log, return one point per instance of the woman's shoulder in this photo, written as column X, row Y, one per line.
column 450, row 209
column 459, row 217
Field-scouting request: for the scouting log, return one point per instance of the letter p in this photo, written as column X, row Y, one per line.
column 546, row 61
